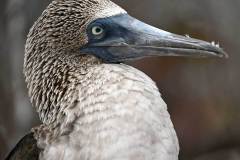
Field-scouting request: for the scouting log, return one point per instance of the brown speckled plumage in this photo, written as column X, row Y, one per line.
column 91, row 110
column 52, row 49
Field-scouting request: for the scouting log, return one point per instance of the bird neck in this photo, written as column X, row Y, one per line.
column 105, row 105
column 52, row 80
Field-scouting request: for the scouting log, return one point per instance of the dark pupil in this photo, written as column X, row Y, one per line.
column 98, row 30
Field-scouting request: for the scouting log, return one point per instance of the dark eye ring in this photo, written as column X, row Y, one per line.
column 97, row 30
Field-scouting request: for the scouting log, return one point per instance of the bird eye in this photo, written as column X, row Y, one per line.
column 97, row 30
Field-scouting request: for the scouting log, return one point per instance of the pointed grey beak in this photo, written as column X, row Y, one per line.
column 126, row 38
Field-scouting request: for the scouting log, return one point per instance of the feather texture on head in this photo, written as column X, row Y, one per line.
column 52, row 49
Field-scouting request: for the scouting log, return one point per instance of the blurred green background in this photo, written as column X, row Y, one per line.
column 202, row 94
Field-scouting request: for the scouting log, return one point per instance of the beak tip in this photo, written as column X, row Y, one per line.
column 218, row 50
column 226, row 55
column 222, row 54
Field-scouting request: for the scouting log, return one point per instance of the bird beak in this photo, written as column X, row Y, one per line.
column 128, row 39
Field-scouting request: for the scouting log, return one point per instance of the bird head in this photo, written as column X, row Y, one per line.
column 71, row 34
column 105, row 30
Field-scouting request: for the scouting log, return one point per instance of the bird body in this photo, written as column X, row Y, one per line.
column 92, row 106
column 114, row 117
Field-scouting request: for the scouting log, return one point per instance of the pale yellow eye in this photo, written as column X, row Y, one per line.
column 97, row 30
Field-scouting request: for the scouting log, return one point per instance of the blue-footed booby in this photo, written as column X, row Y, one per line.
column 92, row 105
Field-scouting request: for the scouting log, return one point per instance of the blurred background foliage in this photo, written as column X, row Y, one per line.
column 202, row 94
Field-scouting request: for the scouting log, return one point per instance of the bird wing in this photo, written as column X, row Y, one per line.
column 26, row 149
